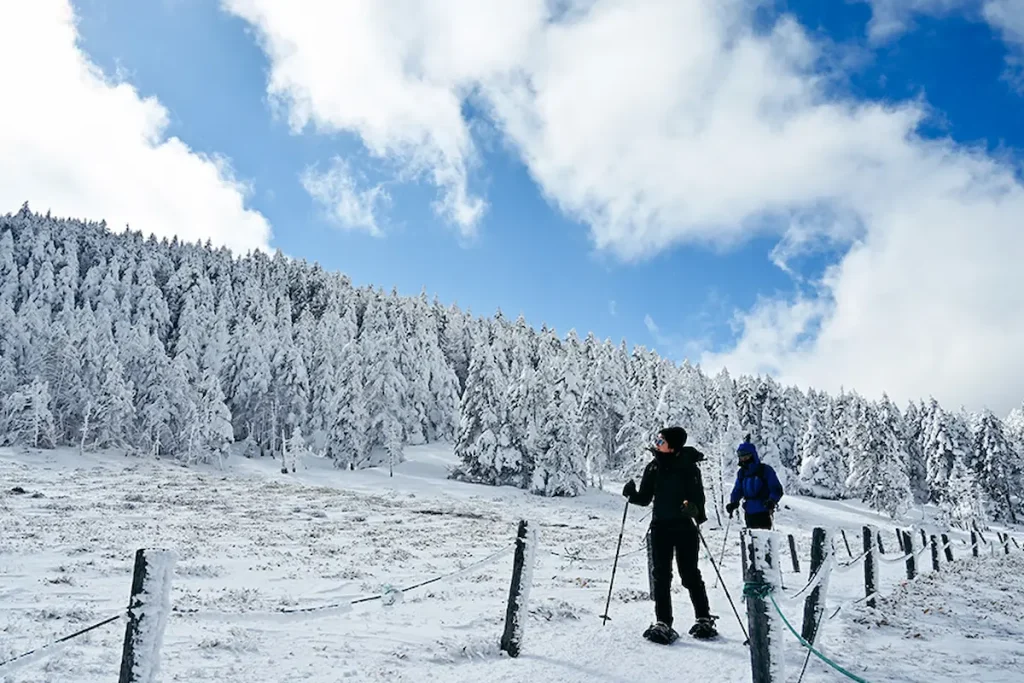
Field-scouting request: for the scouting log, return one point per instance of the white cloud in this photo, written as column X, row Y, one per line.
column 657, row 123
column 348, row 205
column 82, row 146
column 890, row 18
column 652, row 326
column 395, row 73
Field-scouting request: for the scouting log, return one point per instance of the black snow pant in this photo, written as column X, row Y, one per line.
column 759, row 520
column 676, row 538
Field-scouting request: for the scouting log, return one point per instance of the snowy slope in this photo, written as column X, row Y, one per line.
column 252, row 541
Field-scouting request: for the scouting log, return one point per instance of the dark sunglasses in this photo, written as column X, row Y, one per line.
column 659, row 441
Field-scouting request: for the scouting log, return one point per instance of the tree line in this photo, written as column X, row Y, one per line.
column 118, row 340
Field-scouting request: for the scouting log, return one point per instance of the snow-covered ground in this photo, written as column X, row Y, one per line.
column 252, row 541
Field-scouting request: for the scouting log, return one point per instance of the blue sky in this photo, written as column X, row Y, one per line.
column 699, row 286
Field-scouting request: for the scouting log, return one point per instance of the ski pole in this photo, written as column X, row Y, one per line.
column 615, row 565
column 715, row 566
column 721, row 556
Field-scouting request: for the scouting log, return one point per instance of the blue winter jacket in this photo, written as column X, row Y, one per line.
column 755, row 490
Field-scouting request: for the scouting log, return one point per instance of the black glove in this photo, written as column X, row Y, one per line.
column 690, row 509
column 731, row 508
column 629, row 490
column 770, row 504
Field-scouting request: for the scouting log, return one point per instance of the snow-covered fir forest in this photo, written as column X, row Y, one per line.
column 159, row 347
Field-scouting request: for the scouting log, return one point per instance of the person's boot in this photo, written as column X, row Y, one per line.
column 660, row 632
column 704, row 628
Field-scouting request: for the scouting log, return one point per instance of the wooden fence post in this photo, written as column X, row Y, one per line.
column 792, row 552
column 899, row 539
column 870, row 567
column 765, row 665
column 650, row 564
column 1006, row 543
column 743, row 556
column 924, row 539
column 519, row 591
column 948, row 547
column 847, row 543
column 148, row 608
column 935, row 553
column 1017, row 545
column 814, row 603
column 974, row 542
column 881, row 548
column 908, row 549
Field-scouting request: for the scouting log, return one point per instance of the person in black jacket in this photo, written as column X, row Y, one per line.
column 673, row 481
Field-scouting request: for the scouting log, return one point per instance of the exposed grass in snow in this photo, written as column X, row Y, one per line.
column 252, row 541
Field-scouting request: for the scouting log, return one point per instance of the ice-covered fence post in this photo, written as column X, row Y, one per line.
column 1006, row 543
column 148, row 607
column 814, row 603
column 924, row 539
column 948, row 547
column 899, row 539
column 974, row 543
column 792, row 552
column 650, row 564
column 1016, row 545
column 870, row 567
column 766, row 657
column 935, row 553
column 908, row 549
column 519, row 591
column 881, row 548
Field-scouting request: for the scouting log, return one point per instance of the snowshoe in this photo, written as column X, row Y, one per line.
column 704, row 628
column 661, row 633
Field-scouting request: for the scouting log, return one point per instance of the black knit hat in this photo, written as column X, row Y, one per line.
column 675, row 437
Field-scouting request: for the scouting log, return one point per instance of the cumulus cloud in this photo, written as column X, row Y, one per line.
column 76, row 143
column 659, row 123
column 348, row 204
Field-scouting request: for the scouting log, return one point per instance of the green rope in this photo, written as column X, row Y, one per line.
column 810, row 647
column 763, row 589
column 756, row 589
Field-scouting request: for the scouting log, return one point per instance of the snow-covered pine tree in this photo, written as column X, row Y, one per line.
column 726, row 431
column 992, row 464
column 385, row 389
column 749, row 407
column 346, row 441
column 775, row 431
column 878, row 473
column 947, row 440
column 822, row 469
column 559, row 468
column 482, row 456
column 913, row 439
column 111, row 423
column 965, row 500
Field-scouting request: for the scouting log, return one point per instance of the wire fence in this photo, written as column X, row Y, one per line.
column 762, row 566
column 765, row 588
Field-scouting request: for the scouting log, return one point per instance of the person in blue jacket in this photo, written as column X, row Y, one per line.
column 758, row 486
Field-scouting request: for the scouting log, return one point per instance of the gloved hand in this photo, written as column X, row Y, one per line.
column 629, row 490
column 731, row 508
column 690, row 509
column 771, row 505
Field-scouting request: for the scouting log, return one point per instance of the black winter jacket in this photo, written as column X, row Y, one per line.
column 669, row 479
